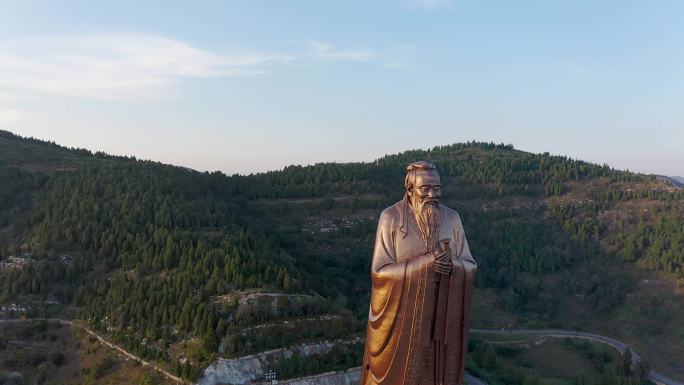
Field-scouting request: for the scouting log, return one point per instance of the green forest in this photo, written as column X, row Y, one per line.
column 145, row 250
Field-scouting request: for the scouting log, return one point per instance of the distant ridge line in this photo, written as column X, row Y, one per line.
column 673, row 180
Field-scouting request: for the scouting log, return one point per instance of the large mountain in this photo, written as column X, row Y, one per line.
column 181, row 265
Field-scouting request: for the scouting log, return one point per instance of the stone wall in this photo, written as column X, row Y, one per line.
column 251, row 369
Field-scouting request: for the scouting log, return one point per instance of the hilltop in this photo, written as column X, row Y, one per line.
column 671, row 180
column 180, row 266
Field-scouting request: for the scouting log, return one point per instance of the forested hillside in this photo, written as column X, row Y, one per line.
column 165, row 259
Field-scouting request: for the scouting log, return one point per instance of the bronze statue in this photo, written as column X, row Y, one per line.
column 422, row 278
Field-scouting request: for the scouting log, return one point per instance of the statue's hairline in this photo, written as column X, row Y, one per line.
column 418, row 167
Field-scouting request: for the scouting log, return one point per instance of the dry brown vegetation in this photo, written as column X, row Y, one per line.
column 51, row 353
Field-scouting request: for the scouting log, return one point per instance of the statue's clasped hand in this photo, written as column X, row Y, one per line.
column 442, row 263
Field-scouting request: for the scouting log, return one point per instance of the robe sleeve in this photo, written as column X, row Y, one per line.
column 461, row 285
column 461, row 250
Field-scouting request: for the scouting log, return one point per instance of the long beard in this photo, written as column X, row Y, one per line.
column 427, row 217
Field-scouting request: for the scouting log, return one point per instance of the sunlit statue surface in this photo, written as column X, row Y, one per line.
column 422, row 278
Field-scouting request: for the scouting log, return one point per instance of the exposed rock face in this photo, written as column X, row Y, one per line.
column 239, row 371
column 251, row 369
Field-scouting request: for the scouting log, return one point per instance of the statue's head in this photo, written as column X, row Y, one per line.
column 422, row 183
column 423, row 189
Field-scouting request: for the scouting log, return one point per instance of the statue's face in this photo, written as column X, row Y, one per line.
column 427, row 189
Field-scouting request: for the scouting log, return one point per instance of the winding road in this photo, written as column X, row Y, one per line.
column 656, row 377
column 653, row 376
column 472, row 380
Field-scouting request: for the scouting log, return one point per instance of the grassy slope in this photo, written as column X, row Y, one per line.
column 58, row 354
column 650, row 319
column 529, row 355
column 39, row 156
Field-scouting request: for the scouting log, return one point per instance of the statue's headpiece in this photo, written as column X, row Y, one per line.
column 414, row 168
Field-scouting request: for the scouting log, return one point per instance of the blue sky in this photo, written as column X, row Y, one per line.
column 245, row 86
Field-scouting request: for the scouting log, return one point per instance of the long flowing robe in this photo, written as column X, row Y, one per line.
column 403, row 347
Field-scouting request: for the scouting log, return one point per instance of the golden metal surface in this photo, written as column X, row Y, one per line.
column 422, row 277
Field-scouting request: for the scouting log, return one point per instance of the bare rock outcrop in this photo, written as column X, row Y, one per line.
column 251, row 369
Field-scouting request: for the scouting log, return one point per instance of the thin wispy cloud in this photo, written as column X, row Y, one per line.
column 323, row 51
column 143, row 67
column 7, row 96
column 117, row 67
column 10, row 117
